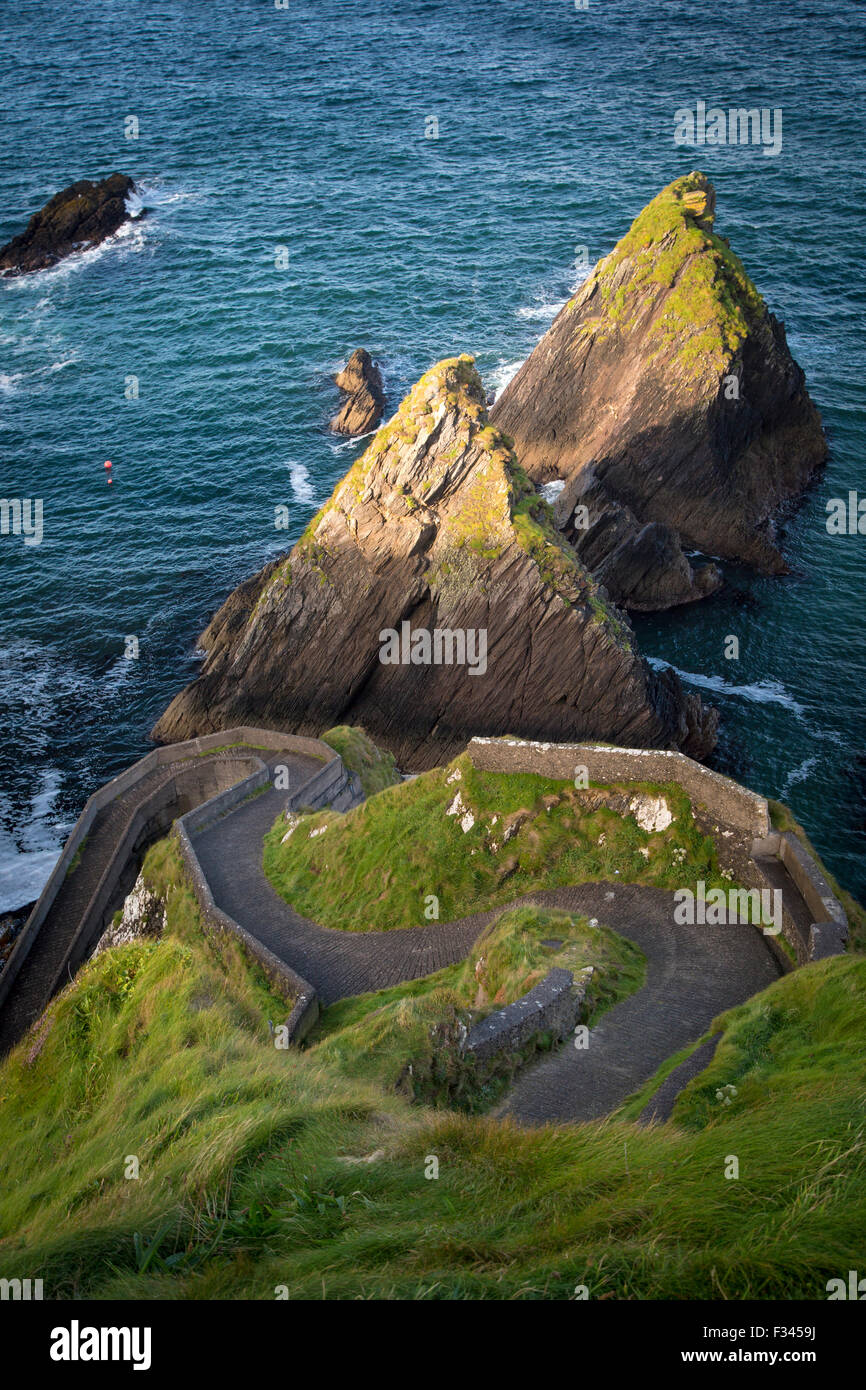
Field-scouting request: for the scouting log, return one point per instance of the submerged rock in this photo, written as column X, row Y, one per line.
column 362, row 382
column 79, row 217
column 434, row 544
column 664, row 394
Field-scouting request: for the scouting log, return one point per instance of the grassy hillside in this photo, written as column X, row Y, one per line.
column 375, row 867
column 262, row 1169
column 375, row 768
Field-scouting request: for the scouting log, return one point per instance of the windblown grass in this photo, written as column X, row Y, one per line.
column 253, row 1161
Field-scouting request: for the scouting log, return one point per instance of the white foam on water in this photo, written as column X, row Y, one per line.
column 501, row 375
column 10, row 382
column 28, row 854
column 760, row 693
column 799, row 774
column 545, row 311
column 127, row 240
column 550, row 491
column 300, row 480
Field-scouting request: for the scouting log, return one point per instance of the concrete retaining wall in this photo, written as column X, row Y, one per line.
column 194, row 783
column 735, row 805
column 553, row 1006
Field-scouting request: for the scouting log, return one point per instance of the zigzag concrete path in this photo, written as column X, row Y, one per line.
column 693, row 973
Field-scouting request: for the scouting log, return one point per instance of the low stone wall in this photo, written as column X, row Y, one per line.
column 194, row 783
column 322, row 787
column 814, row 888
column 293, row 987
column 827, row 933
column 735, row 805
column 553, row 1006
column 297, row 992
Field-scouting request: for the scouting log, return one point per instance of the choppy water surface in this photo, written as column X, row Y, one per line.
column 305, row 128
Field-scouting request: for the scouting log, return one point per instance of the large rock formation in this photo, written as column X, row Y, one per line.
column 665, row 396
column 361, row 380
column 81, row 216
column 436, row 527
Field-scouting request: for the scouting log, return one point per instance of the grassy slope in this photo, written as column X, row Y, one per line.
column 161, row 1050
column 373, row 868
column 376, row 769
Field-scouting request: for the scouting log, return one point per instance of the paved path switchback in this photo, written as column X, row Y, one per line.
column 693, row 973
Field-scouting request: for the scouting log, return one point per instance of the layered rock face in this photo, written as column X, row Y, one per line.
column 664, row 394
column 435, row 530
column 361, row 380
column 80, row 216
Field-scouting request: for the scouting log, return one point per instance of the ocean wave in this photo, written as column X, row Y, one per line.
column 798, row 774
column 127, row 240
column 301, row 486
column 10, row 382
column 29, row 852
column 503, row 374
column 545, row 311
column 760, row 692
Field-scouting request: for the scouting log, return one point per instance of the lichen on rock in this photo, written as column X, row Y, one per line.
column 665, row 396
column 436, row 526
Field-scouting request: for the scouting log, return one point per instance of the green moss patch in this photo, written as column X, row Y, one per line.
column 375, row 768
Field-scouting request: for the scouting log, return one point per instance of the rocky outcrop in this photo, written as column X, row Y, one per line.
column 666, row 398
column 436, row 529
column 80, row 216
column 362, row 410
column 142, row 916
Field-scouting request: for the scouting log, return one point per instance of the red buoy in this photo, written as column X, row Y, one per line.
column 108, row 463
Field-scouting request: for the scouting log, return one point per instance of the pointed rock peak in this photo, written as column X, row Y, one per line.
column 435, row 546
column 665, row 401
column 672, row 257
column 440, row 482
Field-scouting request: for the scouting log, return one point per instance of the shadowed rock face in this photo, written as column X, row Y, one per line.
column 81, row 216
column 435, row 526
column 365, row 400
column 665, row 395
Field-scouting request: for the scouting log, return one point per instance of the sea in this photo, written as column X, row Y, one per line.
column 421, row 178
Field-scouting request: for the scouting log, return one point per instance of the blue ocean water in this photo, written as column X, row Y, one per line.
column 309, row 128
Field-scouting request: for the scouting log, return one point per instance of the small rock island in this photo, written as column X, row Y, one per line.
column 79, row 217
column 361, row 381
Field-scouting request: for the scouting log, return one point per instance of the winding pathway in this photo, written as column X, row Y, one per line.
column 693, row 973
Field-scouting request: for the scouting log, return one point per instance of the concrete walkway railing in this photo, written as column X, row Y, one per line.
column 189, row 781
